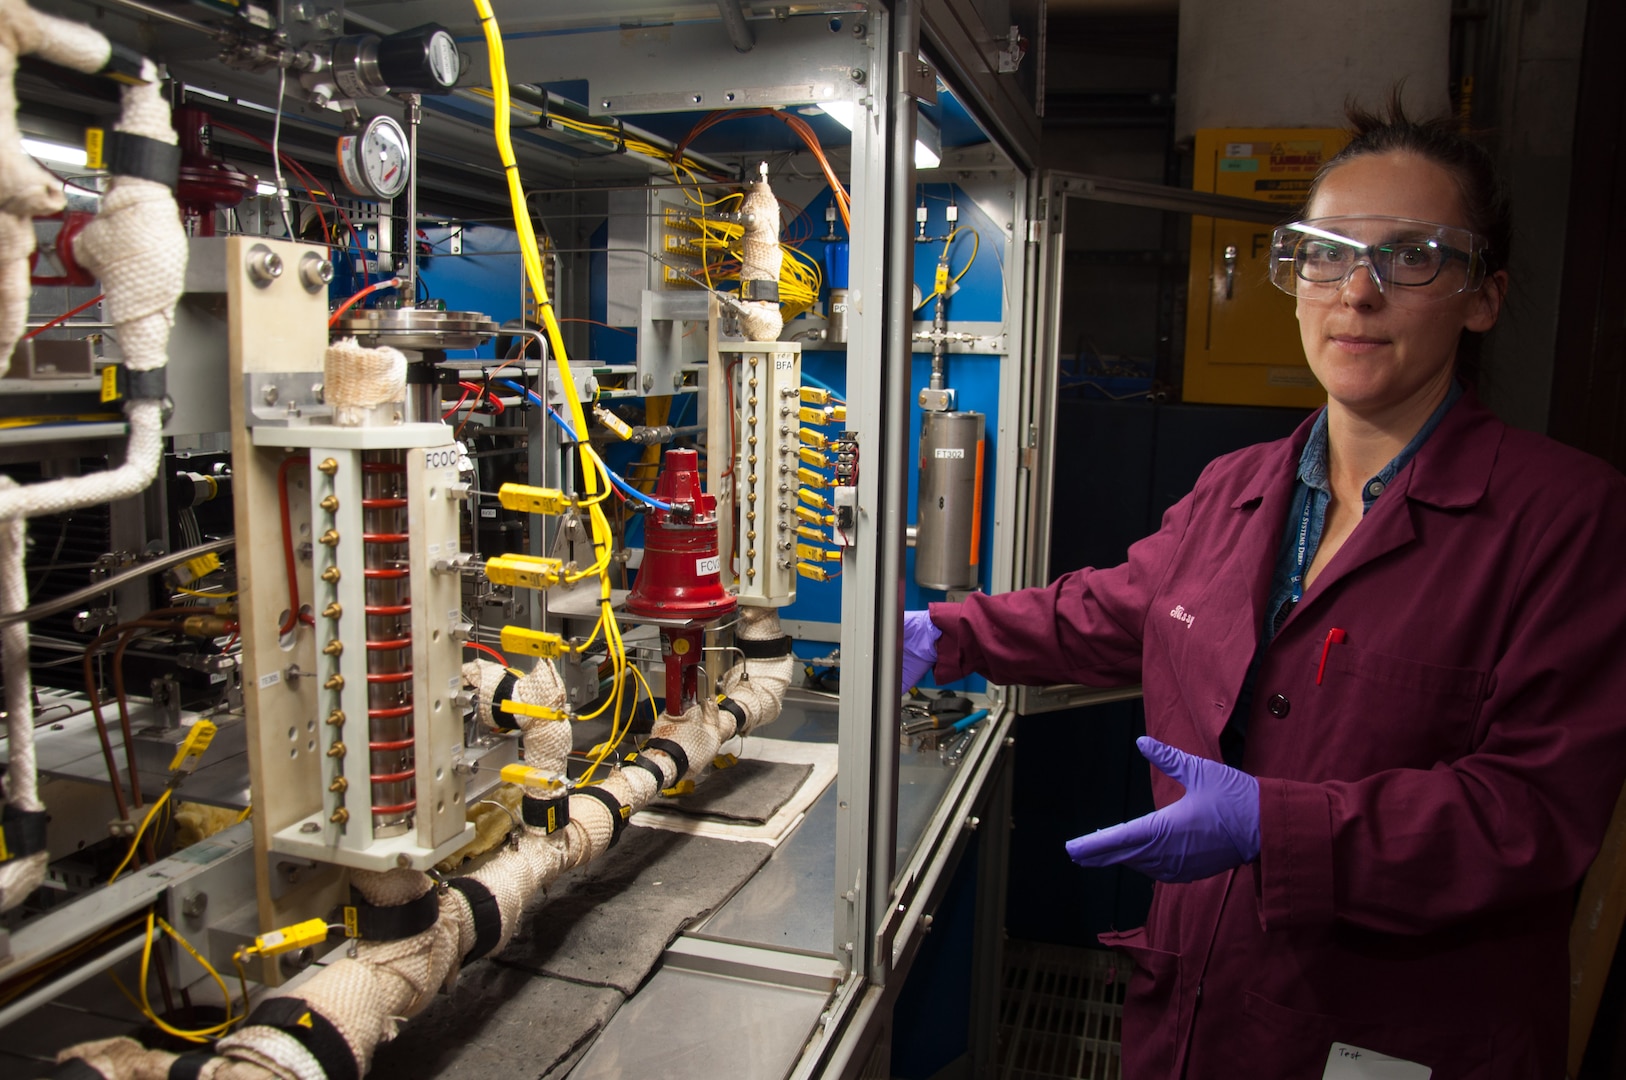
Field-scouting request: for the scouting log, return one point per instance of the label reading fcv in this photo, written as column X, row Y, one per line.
column 711, row 564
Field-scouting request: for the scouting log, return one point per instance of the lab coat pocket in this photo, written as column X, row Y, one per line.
column 1274, row 1040
column 1152, row 1016
column 1418, row 713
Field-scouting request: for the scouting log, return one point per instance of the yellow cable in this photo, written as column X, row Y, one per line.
column 201, row 1035
column 976, row 242
column 206, row 595
column 162, row 799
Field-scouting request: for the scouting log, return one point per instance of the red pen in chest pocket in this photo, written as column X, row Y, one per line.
column 1335, row 636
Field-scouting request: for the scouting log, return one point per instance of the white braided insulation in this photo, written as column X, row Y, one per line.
column 546, row 742
column 700, row 731
column 483, row 677
column 26, row 189
column 759, row 686
column 760, row 261
column 136, row 246
column 356, row 379
column 122, row 1057
column 21, row 876
column 255, row 1053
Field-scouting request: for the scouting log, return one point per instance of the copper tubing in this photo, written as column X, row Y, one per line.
column 155, row 619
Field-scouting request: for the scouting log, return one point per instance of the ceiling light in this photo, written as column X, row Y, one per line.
column 49, row 151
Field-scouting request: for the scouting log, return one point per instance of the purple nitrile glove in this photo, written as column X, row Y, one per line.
column 1209, row 830
column 919, row 647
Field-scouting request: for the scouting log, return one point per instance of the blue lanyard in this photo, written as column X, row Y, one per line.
column 1303, row 545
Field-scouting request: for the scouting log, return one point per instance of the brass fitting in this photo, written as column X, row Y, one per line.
column 335, row 681
column 328, row 467
column 333, row 648
column 331, row 575
column 207, row 626
column 339, row 785
column 330, row 538
column 329, row 503
column 336, row 750
column 336, row 718
column 340, row 816
column 333, row 610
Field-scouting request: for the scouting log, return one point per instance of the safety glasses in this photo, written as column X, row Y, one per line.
column 1421, row 260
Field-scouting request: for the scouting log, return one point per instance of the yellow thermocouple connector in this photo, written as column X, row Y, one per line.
column 813, row 416
column 525, row 571
column 193, row 746
column 297, row 936
column 838, row 413
column 817, row 573
column 613, row 422
column 528, row 776
column 813, row 438
column 814, row 535
column 812, row 498
column 807, row 551
column 522, row 639
column 533, row 500
column 523, row 708
column 813, row 457
column 811, row 478
column 814, row 395
column 809, row 516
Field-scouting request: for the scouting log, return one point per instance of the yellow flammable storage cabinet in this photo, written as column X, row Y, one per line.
column 1242, row 339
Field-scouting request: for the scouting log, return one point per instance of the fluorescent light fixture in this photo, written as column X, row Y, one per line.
column 48, row 151
column 839, row 111
column 928, row 143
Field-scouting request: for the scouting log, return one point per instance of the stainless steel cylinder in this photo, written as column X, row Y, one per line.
column 385, row 534
column 948, row 513
column 836, row 328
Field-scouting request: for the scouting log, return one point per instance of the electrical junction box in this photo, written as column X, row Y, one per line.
column 1242, row 336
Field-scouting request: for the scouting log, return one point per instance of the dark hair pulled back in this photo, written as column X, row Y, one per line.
column 1484, row 197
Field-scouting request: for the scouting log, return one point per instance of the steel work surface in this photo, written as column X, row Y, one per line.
column 686, row 1025
column 790, row 902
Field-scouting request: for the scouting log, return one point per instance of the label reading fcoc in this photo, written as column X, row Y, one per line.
column 711, row 564
column 952, row 452
column 270, row 679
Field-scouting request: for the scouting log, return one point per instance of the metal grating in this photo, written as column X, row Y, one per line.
column 1060, row 1013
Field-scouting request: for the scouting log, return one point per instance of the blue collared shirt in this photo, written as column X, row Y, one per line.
column 1313, row 491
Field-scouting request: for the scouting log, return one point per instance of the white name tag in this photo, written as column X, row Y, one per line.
column 1346, row 1062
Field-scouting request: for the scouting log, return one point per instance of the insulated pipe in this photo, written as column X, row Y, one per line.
column 26, row 189
column 739, row 31
column 21, row 875
column 364, row 997
column 760, row 260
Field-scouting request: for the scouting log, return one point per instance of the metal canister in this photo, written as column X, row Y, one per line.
column 836, row 330
column 949, row 510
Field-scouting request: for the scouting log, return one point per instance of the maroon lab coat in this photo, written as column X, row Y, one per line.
column 1428, row 802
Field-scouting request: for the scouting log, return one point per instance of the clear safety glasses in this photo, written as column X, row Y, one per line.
column 1314, row 258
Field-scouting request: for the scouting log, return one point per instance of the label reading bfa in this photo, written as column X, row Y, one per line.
column 783, row 361
column 956, row 453
column 708, row 565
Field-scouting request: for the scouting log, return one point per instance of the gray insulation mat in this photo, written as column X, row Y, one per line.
column 581, row 951
column 750, row 791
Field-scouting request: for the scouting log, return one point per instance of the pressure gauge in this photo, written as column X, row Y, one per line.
column 422, row 60
column 374, row 162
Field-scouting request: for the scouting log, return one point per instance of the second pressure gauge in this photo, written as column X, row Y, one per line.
column 373, row 162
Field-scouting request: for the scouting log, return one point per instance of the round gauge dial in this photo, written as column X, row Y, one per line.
column 374, row 162
column 444, row 63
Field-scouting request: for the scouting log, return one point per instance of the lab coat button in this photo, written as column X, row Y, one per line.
column 1279, row 706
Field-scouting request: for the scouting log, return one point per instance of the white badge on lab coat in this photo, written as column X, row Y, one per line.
column 1346, row 1062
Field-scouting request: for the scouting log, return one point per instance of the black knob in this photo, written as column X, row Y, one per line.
column 423, row 60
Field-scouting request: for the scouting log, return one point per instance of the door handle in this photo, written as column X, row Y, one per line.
column 1230, row 269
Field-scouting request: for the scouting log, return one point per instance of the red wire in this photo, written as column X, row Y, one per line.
column 483, row 647
column 288, row 543
column 447, row 415
column 64, row 317
column 478, row 391
column 338, row 313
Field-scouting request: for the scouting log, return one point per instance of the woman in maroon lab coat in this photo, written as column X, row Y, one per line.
column 1385, row 696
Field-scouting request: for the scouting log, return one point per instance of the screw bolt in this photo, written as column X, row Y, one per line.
column 328, row 467
column 331, row 575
